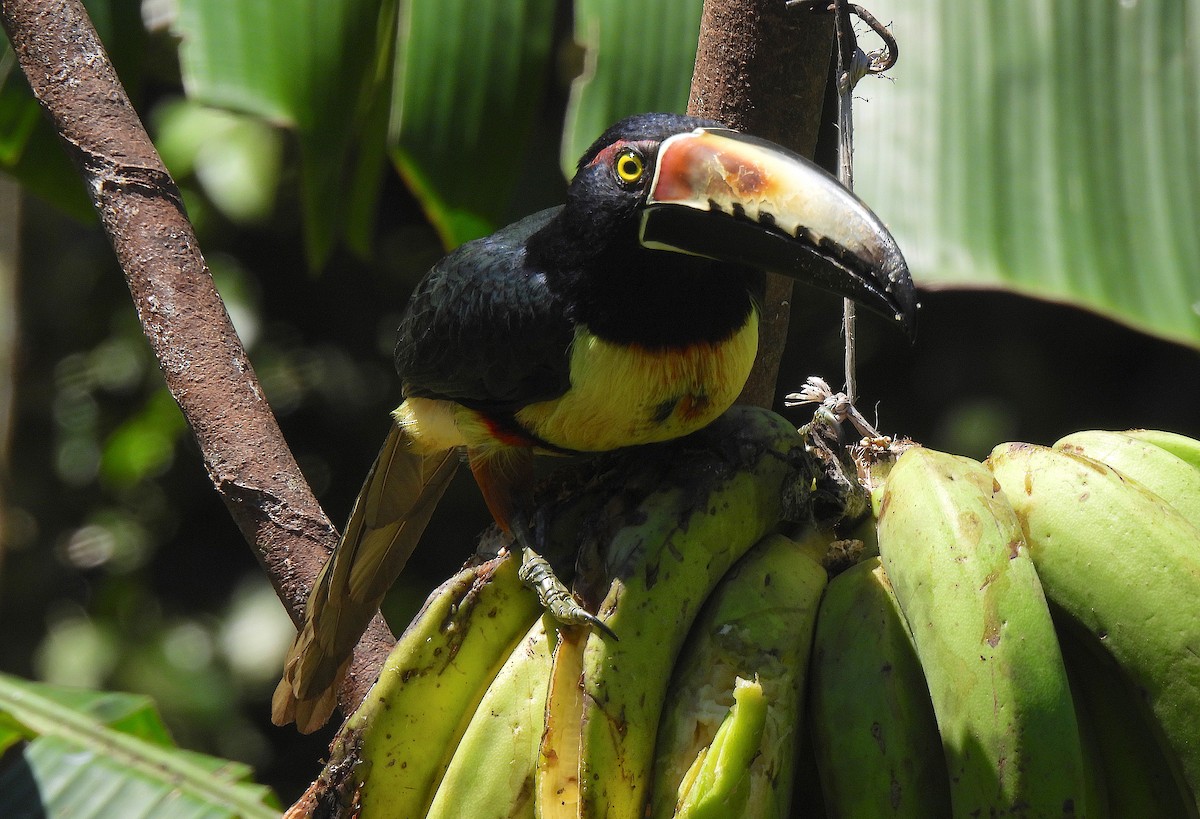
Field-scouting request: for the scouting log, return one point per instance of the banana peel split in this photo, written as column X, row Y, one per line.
column 757, row 628
column 721, row 492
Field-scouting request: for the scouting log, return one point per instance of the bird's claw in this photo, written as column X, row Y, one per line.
column 555, row 597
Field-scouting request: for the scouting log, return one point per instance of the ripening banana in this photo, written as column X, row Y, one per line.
column 556, row 778
column 1166, row 475
column 1178, row 445
column 757, row 625
column 712, row 501
column 953, row 550
column 413, row 718
column 1136, row 775
column 491, row 772
column 1125, row 566
column 873, row 726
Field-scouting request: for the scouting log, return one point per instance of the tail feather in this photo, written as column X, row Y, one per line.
column 392, row 510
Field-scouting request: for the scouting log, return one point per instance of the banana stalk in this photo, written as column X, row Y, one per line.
column 876, row 738
column 953, row 550
column 757, row 625
column 1124, row 565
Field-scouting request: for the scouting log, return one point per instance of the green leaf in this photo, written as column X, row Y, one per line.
column 93, row 754
column 469, row 78
column 638, row 56
column 236, row 158
column 144, row 444
column 1050, row 148
column 18, row 109
column 314, row 66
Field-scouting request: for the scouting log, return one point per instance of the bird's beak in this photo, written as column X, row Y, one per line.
column 724, row 195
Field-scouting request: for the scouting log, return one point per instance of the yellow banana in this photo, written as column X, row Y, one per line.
column 953, row 550
column 757, row 625
column 556, row 779
column 413, row 718
column 716, row 494
column 874, row 730
column 1125, row 566
column 1178, row 445
column 1164, row 474
column 491, row 772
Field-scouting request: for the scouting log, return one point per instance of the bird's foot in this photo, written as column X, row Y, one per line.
column 555, row 597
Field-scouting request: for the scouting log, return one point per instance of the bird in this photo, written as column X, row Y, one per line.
column 626, row 316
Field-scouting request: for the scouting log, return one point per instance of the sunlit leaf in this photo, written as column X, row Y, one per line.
column 1053, row 148
column 99, row 755
column 469, row 77
column 639, row 56
column 312, row 65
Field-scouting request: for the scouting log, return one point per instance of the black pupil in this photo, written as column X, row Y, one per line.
column 629, row 166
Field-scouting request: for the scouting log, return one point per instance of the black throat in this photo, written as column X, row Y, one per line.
column 627, row 294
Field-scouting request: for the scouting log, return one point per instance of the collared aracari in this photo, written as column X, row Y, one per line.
column 626, row 316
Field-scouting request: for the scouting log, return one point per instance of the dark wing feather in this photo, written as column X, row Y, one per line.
column 396, row 502
column 484, row 329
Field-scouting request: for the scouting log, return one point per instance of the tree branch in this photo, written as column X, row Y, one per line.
column 202, row 359
column 762, row 68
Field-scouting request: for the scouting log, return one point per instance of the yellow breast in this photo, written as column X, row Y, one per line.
column 623, row 396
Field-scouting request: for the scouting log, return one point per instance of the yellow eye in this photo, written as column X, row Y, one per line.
column 630, row 165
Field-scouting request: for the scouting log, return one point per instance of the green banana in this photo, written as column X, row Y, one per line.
column 953, row 550
column 1178, row 445
column 876, row 738
column 1164, row 474
column 413, row 718
column 1135, row 773
column 758, row 625
column 716, row 495
column 717, row 784
column 491, row 772
column 1124, row 565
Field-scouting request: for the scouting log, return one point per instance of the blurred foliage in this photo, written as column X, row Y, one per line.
column 121, row 568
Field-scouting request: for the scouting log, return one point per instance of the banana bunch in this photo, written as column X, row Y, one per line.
column 1019, row 637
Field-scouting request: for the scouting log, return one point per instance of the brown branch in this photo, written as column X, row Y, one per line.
column 762, row 68
column 201, row 357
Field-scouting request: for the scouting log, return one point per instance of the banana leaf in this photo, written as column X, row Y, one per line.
column 638, row 56
column 469, row 78
column 1048, row 148
column 318, row 67
column 72, row 752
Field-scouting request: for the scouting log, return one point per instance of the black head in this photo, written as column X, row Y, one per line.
column 669, row 195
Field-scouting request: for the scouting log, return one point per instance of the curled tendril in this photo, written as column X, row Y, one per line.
column 879, row 61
